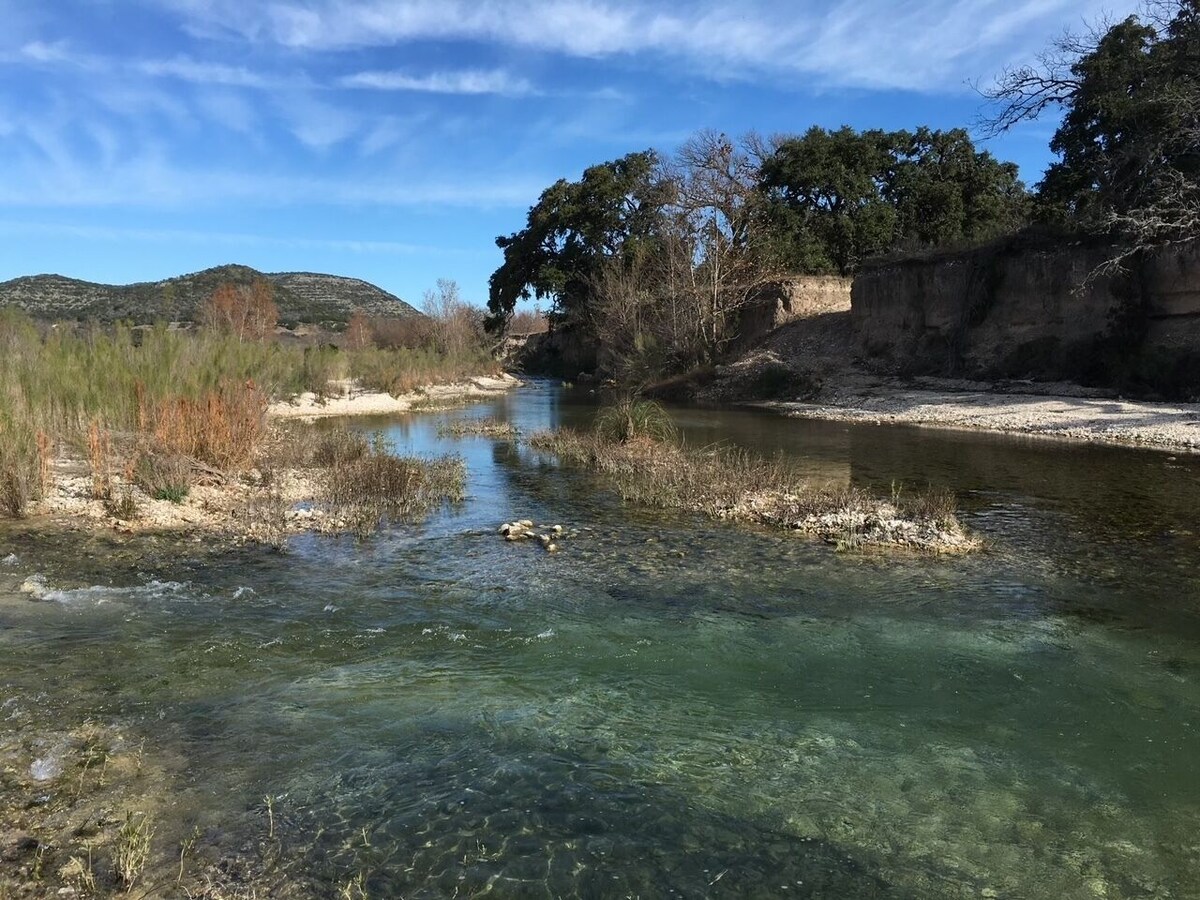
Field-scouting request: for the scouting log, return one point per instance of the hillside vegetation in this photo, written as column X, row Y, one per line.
column 302, row 297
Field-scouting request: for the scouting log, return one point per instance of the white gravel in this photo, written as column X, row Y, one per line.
column 1166, row 426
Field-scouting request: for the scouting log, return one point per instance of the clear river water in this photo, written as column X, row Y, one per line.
column 669, row 706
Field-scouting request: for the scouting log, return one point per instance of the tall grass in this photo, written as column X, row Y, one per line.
column 144, row 392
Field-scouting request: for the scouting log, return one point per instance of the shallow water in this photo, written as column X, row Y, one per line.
column 670, row 706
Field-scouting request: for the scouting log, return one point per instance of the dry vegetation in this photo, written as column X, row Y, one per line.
column 730, row 483
column 489, row 427
column 156, row 412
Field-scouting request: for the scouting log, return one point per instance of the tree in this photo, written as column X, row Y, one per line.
column 248, row 314
column 1128, row 145
column 719, row 234
column 457, row 326
column 572, row 228
column 838, row 197
column 358, row 332
column 946, row 193
column 826, row 199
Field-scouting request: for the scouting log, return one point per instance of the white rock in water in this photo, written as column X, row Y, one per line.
column 35, row 586
column 526, row 523
column 557, row 529
column 11, row 560
column 45, row 769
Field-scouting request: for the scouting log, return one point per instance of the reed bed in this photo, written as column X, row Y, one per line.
column 735, row 484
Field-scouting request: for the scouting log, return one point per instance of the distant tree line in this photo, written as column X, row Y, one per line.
column 652, row 257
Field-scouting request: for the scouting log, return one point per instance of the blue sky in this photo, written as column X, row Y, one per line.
column 392, row 140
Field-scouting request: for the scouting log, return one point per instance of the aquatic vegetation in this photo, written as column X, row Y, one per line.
column 486, row 427
column 133, row 848
column 633, row 418
column 379, row 486
column 733, row 483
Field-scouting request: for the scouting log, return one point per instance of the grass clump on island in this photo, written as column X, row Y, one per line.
column 153, row 411
column 489, row 427
column 632, row 445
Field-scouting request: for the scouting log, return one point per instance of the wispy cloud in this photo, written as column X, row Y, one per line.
column 56, row 177
column 186, row 69
column 865, row 43
column 14, row 228
column 470, row 81
column 43, row 52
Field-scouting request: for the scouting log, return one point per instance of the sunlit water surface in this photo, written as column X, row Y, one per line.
column 668, row 705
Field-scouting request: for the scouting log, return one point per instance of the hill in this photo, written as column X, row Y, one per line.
column 301, row 297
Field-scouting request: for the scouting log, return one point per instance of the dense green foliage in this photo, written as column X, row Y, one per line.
column 1128, row 145
column 838, row 197
column 572, row 228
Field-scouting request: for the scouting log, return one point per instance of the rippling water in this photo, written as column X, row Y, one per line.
column 670, row 706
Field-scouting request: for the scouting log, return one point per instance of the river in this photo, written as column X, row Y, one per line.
column 668, row 706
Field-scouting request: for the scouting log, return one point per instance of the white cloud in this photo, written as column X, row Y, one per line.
column 187, row 69
column 150, row 181
column 40, row 51
column 316, row 124
column 927, row 45
column 471, row 81
column 11, row 228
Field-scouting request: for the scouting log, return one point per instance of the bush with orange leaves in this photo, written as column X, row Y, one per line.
column 221, row 427
column 250, row 313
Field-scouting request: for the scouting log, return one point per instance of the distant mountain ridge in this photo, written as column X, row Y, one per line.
column 307, row 297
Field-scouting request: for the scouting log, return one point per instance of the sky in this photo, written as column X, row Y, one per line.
column 393, row 140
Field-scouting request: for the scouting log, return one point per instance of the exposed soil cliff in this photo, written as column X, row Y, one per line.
column 1012, row 311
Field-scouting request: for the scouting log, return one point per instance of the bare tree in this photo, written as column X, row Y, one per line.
column 717, row 209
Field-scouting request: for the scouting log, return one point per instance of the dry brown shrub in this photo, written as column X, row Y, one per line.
column 221, row 428
column 528, row 322
column 410, row 333
column 99, row 446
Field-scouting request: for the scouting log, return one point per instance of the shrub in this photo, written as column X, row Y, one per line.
column 631, row 419
column 378, row 487
column 20, row 480
column 222, row 427
column 779, row 381
column 164, row 475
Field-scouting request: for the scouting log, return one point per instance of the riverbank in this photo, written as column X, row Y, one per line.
column 1074, row 414
column 285, row 491
column 350, row 400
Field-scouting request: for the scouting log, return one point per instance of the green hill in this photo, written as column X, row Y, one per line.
column 301, row 297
